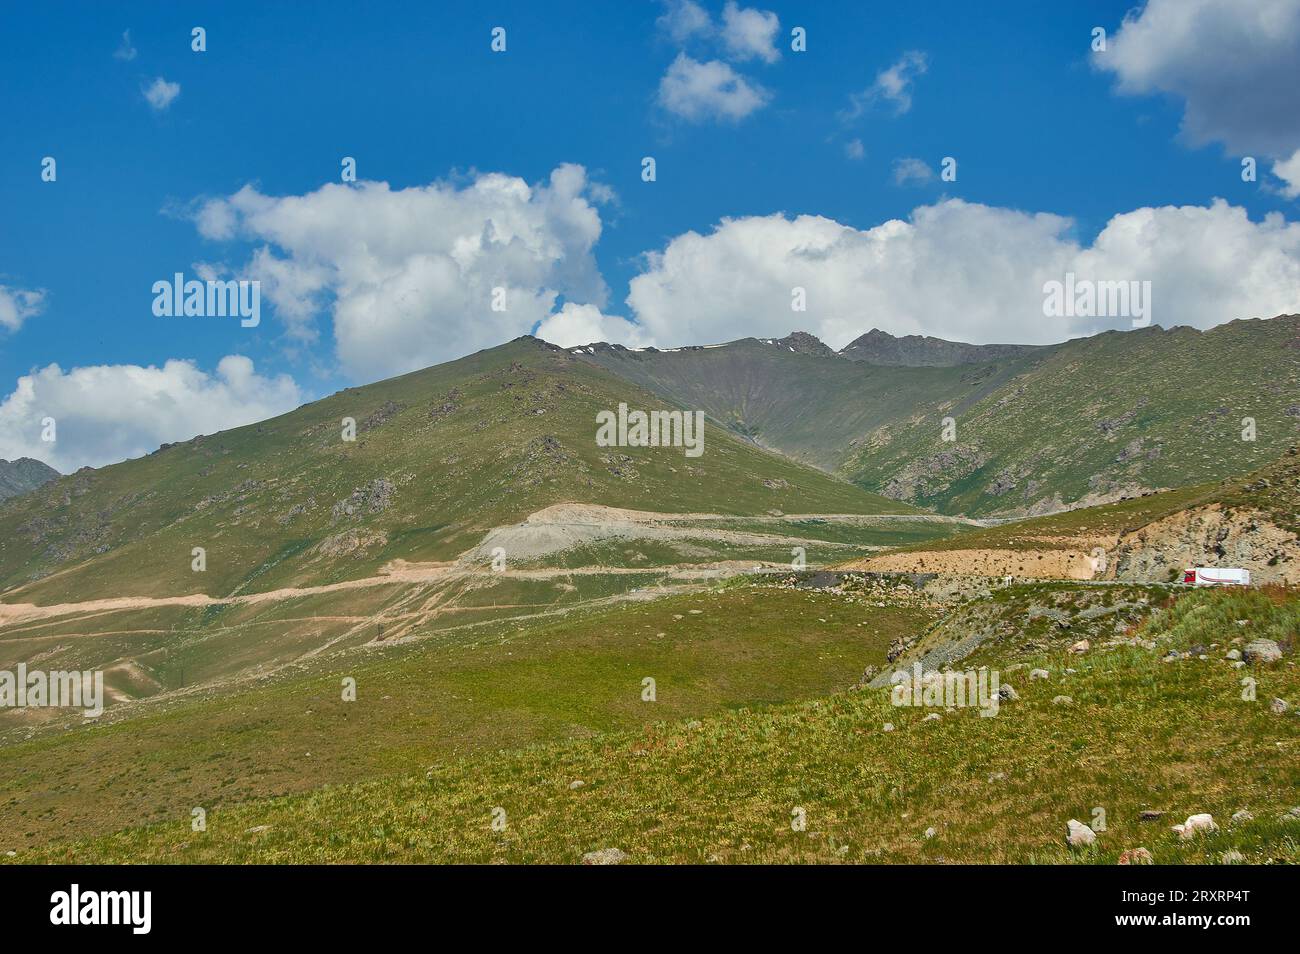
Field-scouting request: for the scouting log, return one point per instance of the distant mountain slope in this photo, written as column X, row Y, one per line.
column 1038, row 429
column 791, row 395
column 440, row 457
column 1101, row 417
column 24, row 474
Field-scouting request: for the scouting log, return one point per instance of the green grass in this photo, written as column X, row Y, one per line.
column 1141, row 734
column 499, row 686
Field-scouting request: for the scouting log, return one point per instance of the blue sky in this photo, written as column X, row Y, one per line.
column 416, row 95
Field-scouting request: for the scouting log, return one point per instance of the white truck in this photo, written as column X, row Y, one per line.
column 1216, row 576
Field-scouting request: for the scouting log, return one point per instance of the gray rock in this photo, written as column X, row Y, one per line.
column 1062, row 701
column 1038, row 674
column 1278, row 707
column 1078, row 834
column 1262, row 651
column 1241, row 816
column 1196, row 824
column 1007, row 693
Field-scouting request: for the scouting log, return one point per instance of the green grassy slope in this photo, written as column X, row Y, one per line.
column 1148, row 408
column 148, row 651
column 499, row 686
column 1140, row 734
column 441, row 455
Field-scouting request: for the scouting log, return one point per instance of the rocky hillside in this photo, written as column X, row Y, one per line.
column 1252, row 522
column 24, row 474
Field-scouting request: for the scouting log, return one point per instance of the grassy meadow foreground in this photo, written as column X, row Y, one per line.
column 1154, row 720
column 480, row 690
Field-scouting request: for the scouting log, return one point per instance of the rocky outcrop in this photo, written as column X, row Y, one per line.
column 374, row 497
column 1208, row 536
column 24, row 474
column 934, row 473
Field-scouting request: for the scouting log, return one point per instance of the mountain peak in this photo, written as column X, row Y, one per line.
column 22, row 475
column 801, row 342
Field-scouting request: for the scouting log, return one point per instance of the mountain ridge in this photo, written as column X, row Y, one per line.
column 918, row 351
column 1103, row 416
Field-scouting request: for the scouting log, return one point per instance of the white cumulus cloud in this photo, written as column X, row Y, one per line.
column 749, row 33
column 702, row 91
column 107, row 413
column 892, row 86
column 683, row 20
column 1235, row 64
column 410, row 276
column 583, row 324
column 160, row 93
column 962, row 271
column 19, row 304
column 1288, row 170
